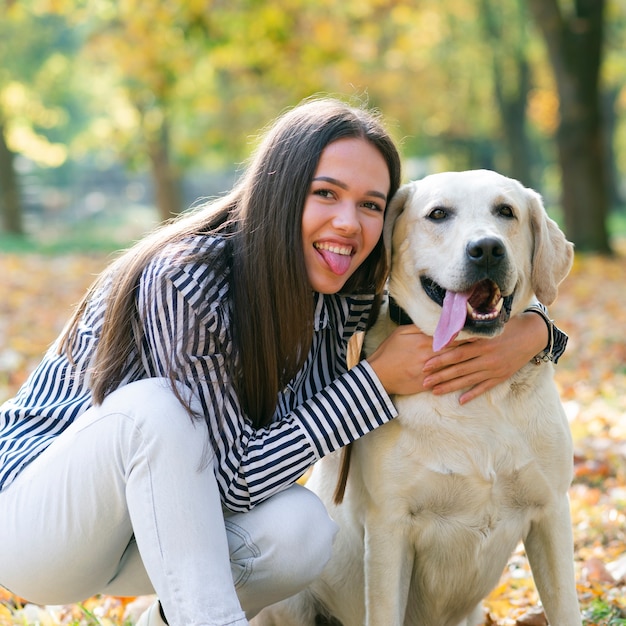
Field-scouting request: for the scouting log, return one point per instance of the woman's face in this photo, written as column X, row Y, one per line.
column 344, row 211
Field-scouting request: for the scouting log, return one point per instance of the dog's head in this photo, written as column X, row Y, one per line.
column 469, row 249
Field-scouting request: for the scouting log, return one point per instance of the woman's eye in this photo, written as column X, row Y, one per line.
column 438, row 213
column 374, row 206
column 324, row 193
column 505, row 210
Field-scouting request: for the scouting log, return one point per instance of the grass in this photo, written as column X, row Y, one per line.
column 98, row 234
column 617, row 223
column 600, row 612
column 78, row 241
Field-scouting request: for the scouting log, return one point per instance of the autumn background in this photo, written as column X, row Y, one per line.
column 117, row 114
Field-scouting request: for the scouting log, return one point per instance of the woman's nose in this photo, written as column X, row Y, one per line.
column 346, row 218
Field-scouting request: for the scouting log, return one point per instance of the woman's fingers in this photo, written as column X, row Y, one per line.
column 399, row 360
column 405, row 362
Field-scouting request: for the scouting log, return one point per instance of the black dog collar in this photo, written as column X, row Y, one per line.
column 397, row 314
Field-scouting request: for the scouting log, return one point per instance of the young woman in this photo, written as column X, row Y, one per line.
column 156, row 447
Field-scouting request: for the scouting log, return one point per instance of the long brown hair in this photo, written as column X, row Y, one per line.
column 272, row 313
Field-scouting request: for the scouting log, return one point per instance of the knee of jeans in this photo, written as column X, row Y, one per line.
column 308, row 536
column 151, row 401
column 288, row 540
column 318, row 530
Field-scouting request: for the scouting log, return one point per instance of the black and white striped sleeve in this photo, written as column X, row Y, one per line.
column 557, row 339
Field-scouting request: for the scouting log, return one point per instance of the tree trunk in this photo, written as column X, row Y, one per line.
column 166, row 180
column 609, row 99
column 512, row 95
column 10, row 202
column 513, row 112
column 575, row 50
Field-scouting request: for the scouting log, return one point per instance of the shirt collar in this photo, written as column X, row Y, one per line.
column 323, row 303
column 321, row 316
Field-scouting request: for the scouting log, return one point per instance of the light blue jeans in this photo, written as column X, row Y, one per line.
column 125, row 502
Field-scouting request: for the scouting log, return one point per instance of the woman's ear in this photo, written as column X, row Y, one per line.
column 394, row 210
column 553, row 255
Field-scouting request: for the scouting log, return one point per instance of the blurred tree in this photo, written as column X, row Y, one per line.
column 147, row 47
column 574, row 40
column 614, row 100
column 10, row 202
column 39, row 106
column 193, row 75
column 505, row 26
column 172, row 85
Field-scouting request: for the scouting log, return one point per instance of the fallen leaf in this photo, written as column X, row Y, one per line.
column 533, row 617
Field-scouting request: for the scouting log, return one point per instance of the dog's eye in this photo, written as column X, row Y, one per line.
column 505, row 210
column 438, row 213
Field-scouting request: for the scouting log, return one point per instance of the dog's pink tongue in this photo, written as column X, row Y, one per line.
column 452, row 320
column 338, row 263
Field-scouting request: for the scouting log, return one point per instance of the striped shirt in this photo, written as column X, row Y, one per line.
column 325, row 406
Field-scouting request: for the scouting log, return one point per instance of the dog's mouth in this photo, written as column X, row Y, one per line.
column 481, row 309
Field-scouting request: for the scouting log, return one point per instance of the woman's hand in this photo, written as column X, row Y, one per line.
column 481, row 364
column 405, row 362
column 399, row 360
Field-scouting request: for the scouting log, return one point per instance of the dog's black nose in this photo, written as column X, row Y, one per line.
column 486, row 252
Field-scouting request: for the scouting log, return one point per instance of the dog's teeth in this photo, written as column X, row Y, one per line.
column 495, row 304
column 492, row 315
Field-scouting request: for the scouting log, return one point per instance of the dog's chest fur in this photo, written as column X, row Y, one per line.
column 464, row 473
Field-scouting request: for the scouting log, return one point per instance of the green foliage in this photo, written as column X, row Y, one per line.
column 617, row 223
column 599, row 612
column 41, row 103
column 199, row 78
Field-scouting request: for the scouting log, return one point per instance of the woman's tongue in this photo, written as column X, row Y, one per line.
column 338, row 263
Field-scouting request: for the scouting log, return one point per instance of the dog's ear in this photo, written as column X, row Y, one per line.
column 394, row 210
column 553, row 255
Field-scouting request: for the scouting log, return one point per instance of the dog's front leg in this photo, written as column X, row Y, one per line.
column 388, row 564
column 549, row 546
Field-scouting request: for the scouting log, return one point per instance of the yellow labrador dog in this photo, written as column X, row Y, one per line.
column 437, row 500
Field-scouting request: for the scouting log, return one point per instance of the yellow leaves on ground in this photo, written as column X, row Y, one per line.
column 37, row 295
column 591, row 377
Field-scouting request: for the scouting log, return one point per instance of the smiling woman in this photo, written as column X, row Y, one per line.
column 207, row 348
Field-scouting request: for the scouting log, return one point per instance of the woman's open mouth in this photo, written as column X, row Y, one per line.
column 337, row 257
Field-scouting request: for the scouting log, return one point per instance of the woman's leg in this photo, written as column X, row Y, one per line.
column 128, row 489
column 135, row 466
column 279, row 547
column 276, row 549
